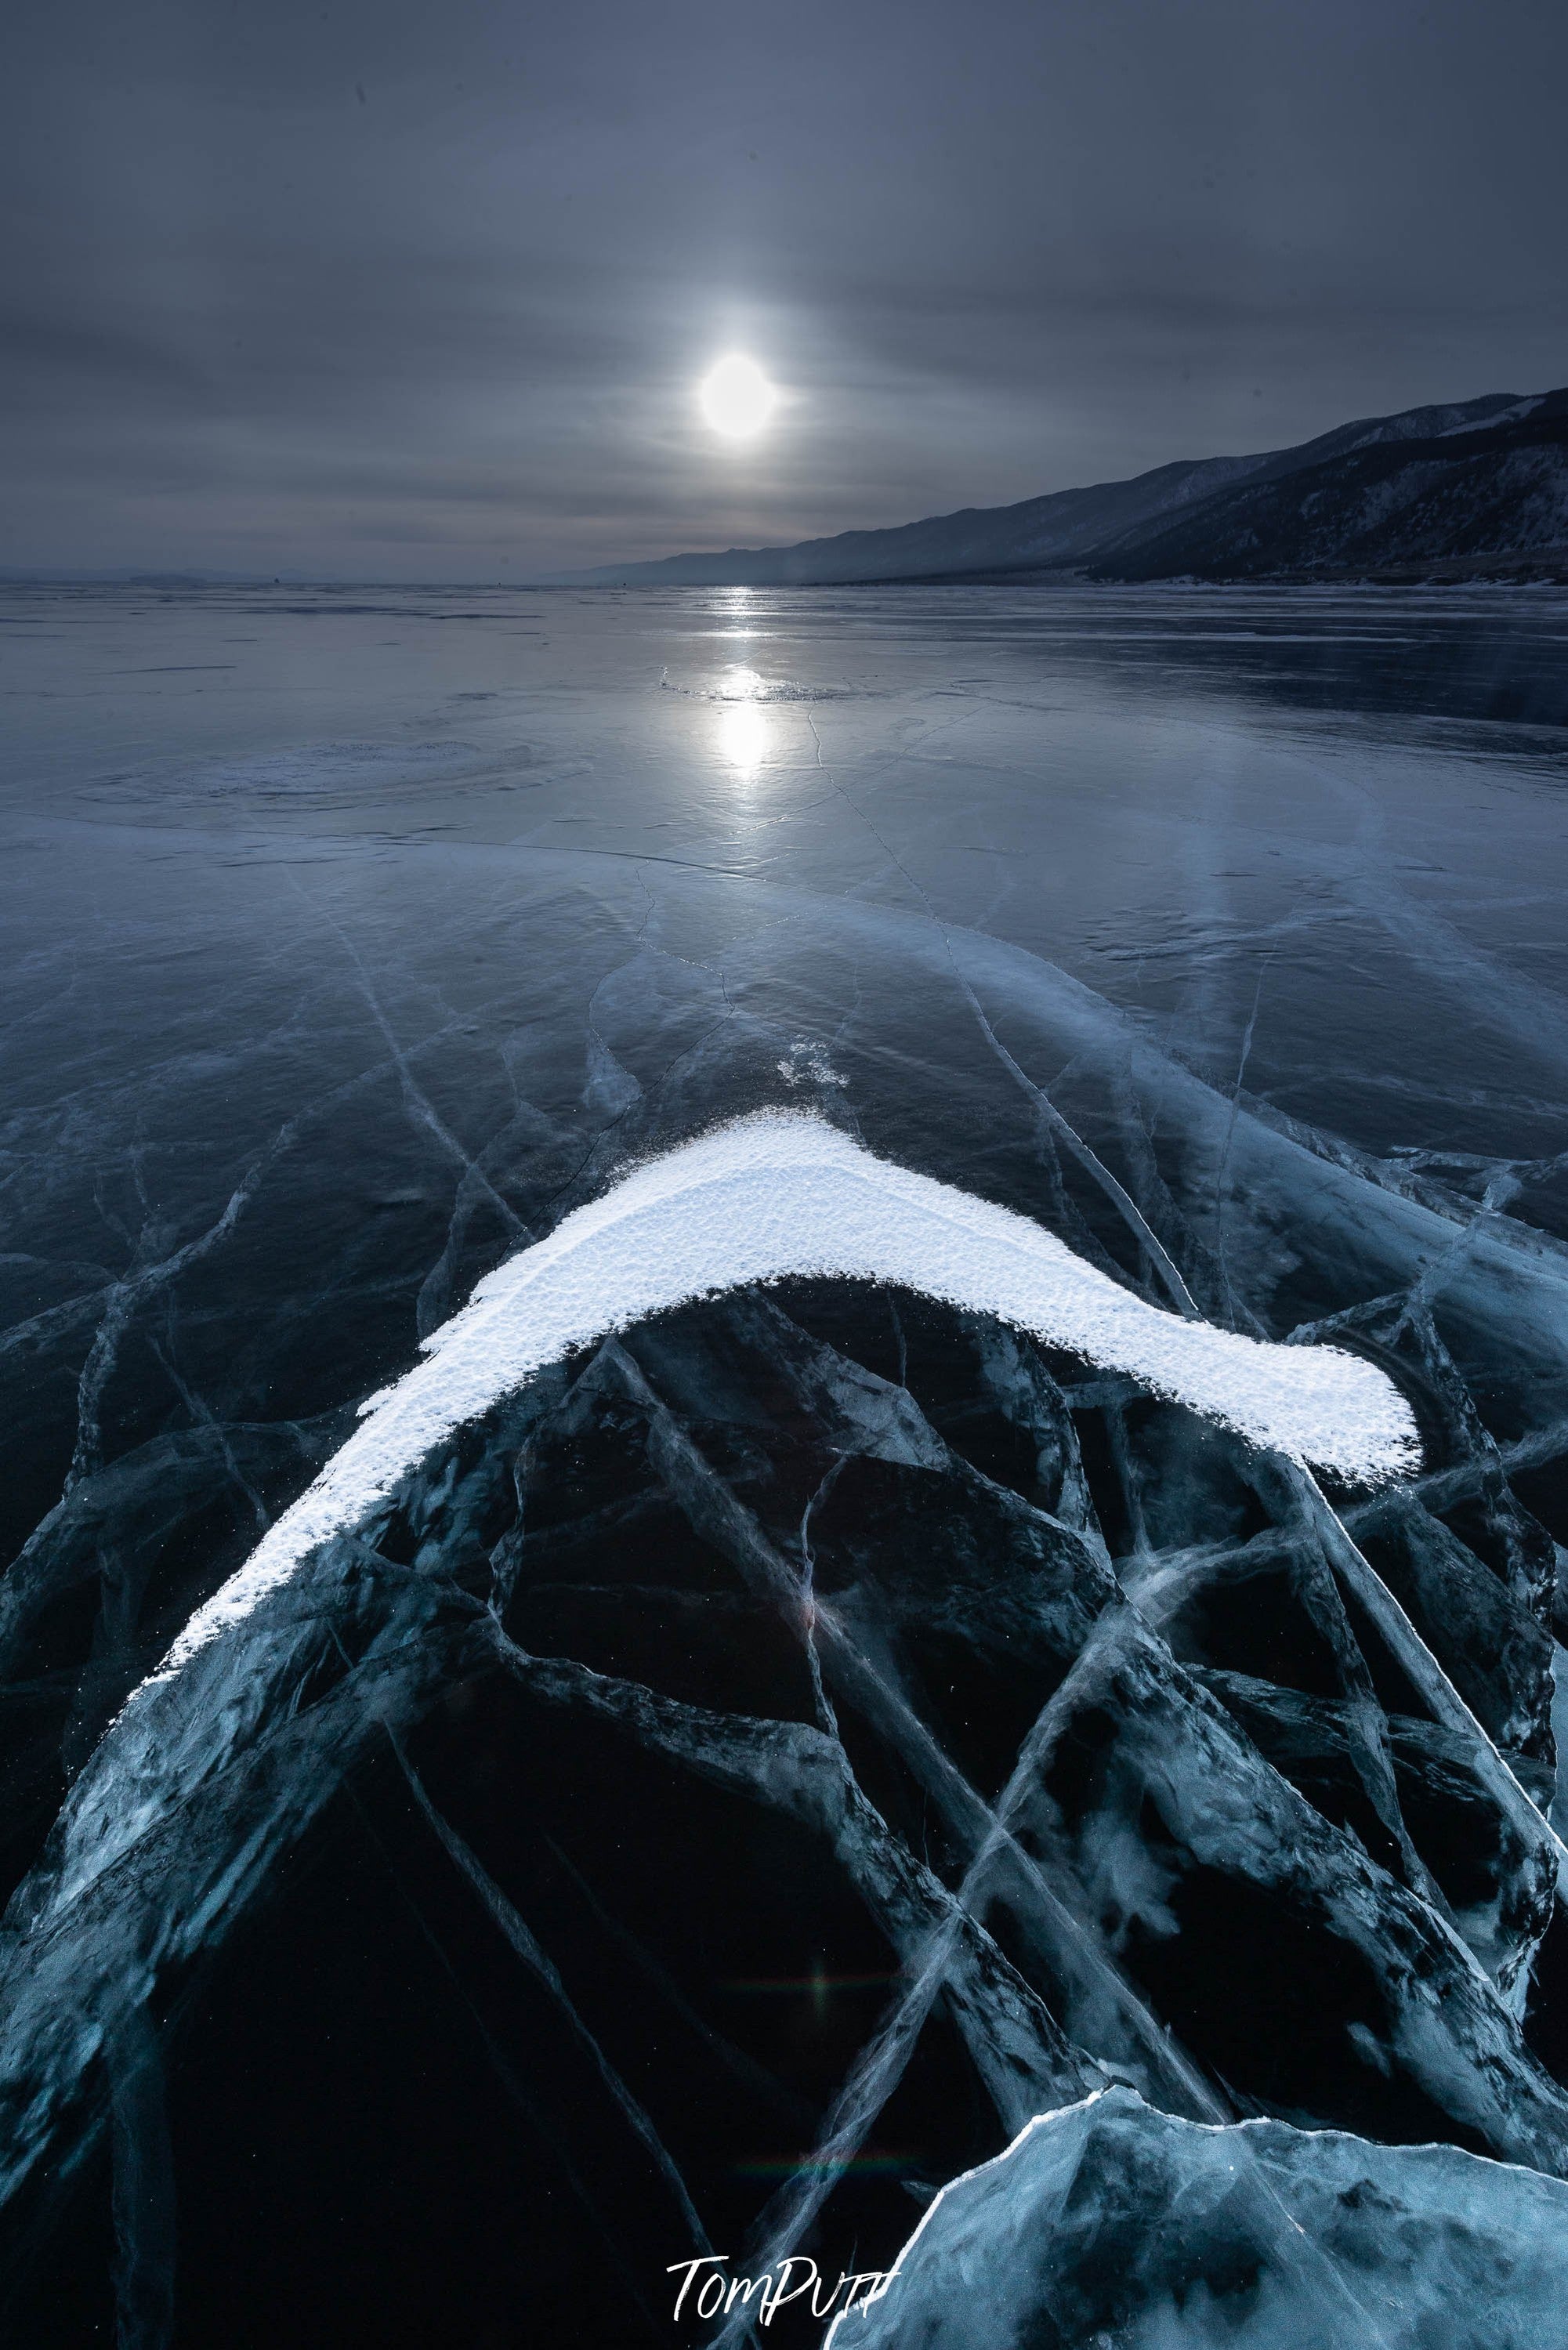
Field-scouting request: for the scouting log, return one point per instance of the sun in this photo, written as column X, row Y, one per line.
column 737, row 398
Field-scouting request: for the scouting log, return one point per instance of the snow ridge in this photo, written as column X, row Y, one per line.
column 782, row 1192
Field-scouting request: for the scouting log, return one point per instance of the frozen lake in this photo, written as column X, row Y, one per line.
column 353, row 938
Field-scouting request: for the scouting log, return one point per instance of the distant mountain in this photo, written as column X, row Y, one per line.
column 1423, row 504
column 1434, row 492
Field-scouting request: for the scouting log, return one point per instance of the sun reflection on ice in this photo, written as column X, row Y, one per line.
column 744, row 739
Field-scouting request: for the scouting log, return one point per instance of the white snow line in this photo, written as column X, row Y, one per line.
column 782, row 1192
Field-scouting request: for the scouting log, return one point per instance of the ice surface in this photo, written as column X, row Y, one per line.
column 729, row 1777
column 1110, row 2225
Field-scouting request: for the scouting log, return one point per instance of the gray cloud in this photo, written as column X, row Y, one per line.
column 374, row 288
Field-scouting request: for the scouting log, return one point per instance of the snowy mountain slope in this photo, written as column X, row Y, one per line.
column 1440, row 498
column 1067, row 528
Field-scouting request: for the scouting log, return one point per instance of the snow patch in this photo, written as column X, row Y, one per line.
column 805, row 1064
column 784, row 1193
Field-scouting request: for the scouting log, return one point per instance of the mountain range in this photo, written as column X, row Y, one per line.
column 1478, row 488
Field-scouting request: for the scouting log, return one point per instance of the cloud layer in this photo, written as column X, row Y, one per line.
column 398, row 291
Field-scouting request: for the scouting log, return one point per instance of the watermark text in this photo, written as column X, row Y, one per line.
column 716, row 2295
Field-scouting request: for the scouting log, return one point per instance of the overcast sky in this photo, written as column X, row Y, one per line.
column 423, row 288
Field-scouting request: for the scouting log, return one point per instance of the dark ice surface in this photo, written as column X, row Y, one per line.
column 731, row 1790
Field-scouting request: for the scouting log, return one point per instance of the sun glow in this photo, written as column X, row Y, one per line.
column 737, row 398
